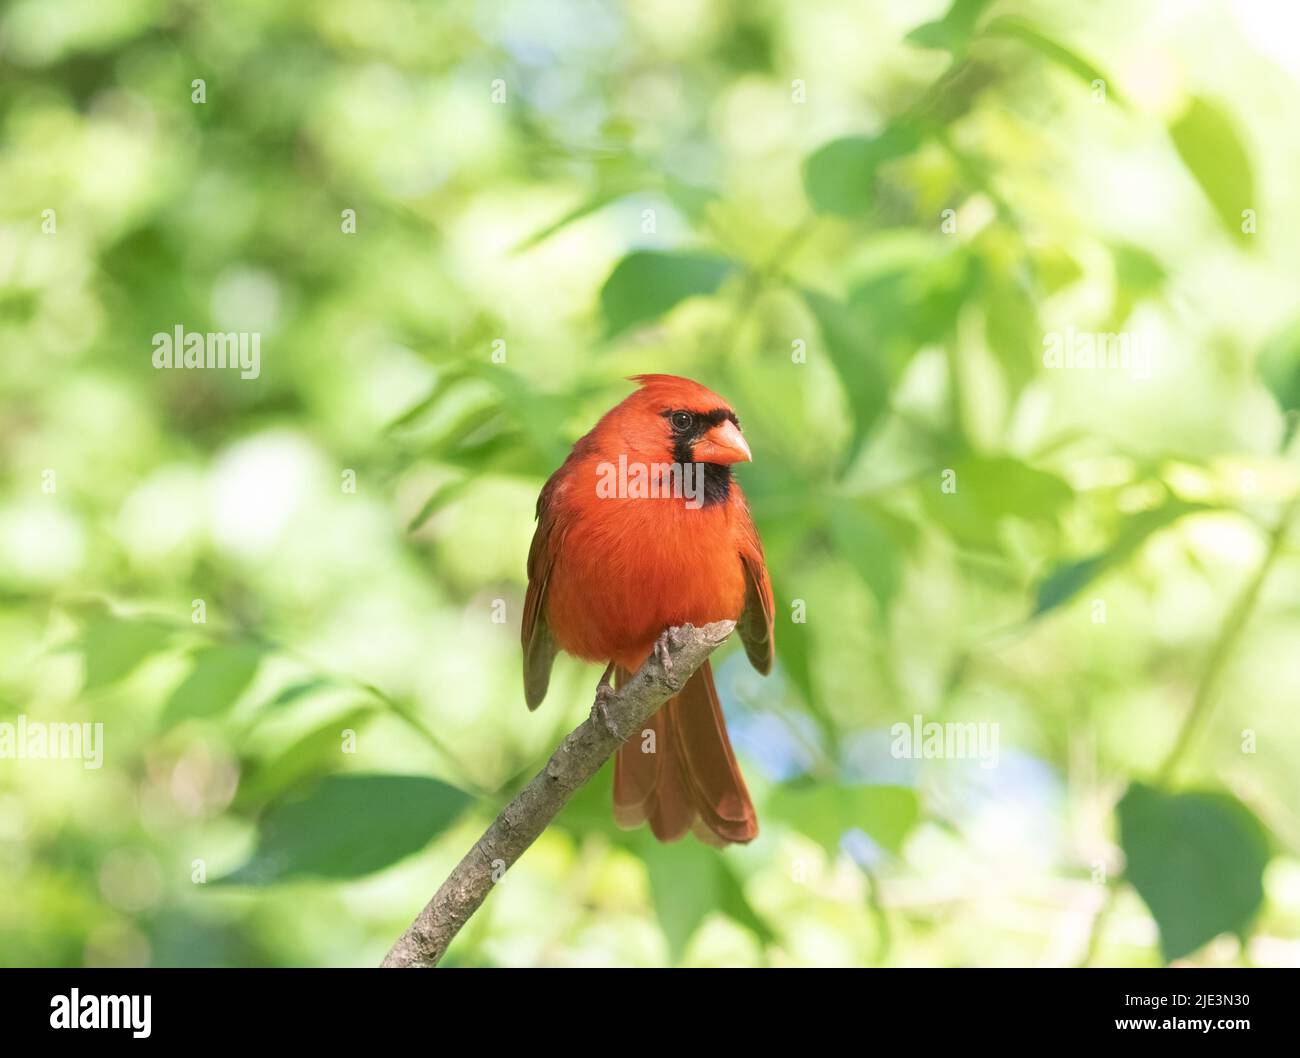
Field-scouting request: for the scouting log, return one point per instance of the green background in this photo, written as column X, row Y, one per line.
column 864, row 224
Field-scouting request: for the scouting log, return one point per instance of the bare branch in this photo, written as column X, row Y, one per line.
column 614, row 718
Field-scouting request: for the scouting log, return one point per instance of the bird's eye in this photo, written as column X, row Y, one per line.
column 682, row 420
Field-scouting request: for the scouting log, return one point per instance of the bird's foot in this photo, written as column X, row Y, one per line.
column 605, row 695
column 663, row 649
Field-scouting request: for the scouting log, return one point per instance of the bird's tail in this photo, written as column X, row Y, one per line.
column 679, row 772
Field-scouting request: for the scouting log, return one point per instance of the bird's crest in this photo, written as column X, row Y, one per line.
column 678, row 390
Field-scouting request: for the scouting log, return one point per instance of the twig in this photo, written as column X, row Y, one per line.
column 1233, row 625
column 614, row 718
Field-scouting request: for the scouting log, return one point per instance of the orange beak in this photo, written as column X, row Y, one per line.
column 723, row 444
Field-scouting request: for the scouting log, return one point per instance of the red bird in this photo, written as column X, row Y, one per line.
column 611, row 567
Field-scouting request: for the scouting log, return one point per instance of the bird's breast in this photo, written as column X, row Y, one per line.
column 627, row 569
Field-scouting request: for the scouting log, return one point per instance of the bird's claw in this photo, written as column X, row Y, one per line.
column 663, row 651
column 605, row 695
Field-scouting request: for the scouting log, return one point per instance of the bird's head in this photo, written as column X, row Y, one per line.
column 693, row 424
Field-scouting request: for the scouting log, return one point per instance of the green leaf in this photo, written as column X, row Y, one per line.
column 953, row 31
column 317, row 752
column 863, row 539
column 690, row 199
column 348, row 826
column 735, row 904
column 586, row 208
column 1138, row 269
column 793, row 659
column 826, row 813
column 1197, row 859
column 683, row 887
column 1069, row 578
column 793, row 655
column 989, row 489
column 1055, row 268
column 935, row 297
column 1011, row 325
column 540, row 415
column 647, row 283
column 840, row 176
column 688, row 881
column 300, row 689
column 848, row 344
column 1209, row 146
column 219, row 676
column 899, row 311
column 448, row 380
column 1019, row 29
column 438, row 499
column 114, row 646
column 1279, row 367
column 1139, row 275
column 467, row 428
column 918, row 305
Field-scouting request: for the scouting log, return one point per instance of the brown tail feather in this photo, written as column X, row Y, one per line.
column 692, row 780
column 719, row 789
column 635, row 773
column 671, row 810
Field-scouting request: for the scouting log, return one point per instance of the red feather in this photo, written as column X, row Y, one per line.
column 606, row 575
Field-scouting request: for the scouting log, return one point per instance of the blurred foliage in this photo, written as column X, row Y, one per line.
column 1198, row 860
column 292, row 600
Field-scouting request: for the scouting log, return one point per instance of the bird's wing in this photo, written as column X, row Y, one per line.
column 538, row 643
column 756, row 619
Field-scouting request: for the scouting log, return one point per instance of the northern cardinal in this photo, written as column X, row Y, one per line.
column 611, row 567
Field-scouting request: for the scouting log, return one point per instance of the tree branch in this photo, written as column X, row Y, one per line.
column 614, row 718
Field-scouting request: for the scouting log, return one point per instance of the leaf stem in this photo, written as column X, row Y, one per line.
column 1229, row 633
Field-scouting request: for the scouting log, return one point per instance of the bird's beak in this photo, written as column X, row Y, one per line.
column 723, row 444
